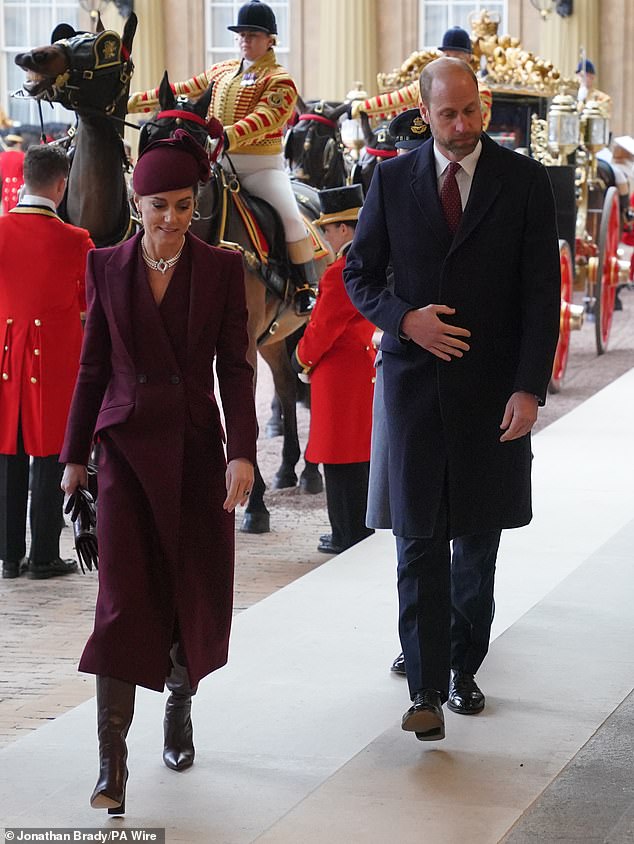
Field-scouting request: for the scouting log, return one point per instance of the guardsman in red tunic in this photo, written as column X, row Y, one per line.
column 336, row 350
column 11, row 171
column 42, row 265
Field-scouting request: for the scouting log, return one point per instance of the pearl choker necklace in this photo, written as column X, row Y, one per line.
column 163, row 264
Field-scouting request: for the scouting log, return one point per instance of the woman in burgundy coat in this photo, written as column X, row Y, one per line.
column 162, row 307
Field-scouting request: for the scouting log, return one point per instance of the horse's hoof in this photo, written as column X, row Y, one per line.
column 273, row 429
column 256, row 523
column 284, row 480
column 311, row 484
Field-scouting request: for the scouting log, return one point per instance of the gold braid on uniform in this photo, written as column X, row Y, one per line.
column 253, row 105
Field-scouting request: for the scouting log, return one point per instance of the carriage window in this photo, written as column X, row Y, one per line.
column 220, row 42
column 436, row 16
column 25, row 24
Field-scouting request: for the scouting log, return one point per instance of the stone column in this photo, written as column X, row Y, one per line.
column 347, row 48
column 148, row 48
column 617, row 69
column 561, row 38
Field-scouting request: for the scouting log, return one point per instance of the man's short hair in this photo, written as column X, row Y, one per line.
column 428, row 74
column 44, row 165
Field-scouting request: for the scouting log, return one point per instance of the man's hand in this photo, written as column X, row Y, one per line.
column 520, row 414
column 425, row 328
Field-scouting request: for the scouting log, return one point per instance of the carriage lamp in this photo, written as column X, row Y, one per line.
column 544, row 7
column 563, row 126
column 352, row 135
column 351, row 132
column 596, row 130
column 95, row 8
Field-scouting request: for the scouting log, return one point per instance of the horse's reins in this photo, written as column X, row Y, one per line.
column 320, row 119
column 381, row 153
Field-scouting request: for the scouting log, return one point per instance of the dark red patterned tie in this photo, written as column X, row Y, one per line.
column 450, row 197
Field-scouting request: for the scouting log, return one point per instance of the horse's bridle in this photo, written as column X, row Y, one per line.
column 94, row 61
column 331, row 146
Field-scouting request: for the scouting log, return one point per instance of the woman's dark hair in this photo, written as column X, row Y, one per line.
column 44, row 165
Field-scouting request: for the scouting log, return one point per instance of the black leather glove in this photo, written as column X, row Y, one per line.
column 83, row 515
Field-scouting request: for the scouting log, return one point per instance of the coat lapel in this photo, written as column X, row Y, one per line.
column 201, row 297
column 485, row 188
column 119, row 276
column 424, row 186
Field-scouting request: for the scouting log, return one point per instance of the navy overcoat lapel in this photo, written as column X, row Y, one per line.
column 424, row 187
column 484, row 191
column 485, row 188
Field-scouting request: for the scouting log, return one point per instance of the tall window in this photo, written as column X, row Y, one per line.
column 437, row 16
column 220, row 42
column 25, row 24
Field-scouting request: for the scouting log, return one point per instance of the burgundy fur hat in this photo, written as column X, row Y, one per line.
column 170, row 164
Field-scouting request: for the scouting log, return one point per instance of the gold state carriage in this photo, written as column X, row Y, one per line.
column 536, row 111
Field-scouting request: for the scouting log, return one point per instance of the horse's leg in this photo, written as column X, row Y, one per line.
column 302, row 389
column 276, row 355
column 275, row 425
column 256, row 517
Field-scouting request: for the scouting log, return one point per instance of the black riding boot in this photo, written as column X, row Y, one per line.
column 303, row 275
column 178, row 750
column 115, row 708
column 304, row 278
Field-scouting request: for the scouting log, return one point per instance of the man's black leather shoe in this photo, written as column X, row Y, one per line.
column 464, row 695
column 326, row 546
column 398, row 666
column 54, row 568
column 11, row 569
column 425, row 716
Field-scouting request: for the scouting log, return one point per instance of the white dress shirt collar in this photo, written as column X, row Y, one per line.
column 41, row 201
column 468, row 163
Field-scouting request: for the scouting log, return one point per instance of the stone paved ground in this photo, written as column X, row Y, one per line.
column 44, row 624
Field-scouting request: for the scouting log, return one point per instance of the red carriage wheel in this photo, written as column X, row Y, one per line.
column 563, row 344
column 607, row 270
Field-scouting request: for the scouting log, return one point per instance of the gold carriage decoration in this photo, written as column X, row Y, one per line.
column 567, row 140
column 508, row 67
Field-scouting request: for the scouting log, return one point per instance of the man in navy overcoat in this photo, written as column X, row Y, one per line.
column 470, row 333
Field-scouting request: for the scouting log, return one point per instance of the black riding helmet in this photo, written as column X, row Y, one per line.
column 257, row 17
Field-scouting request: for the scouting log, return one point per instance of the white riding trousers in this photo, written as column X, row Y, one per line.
column 265, row 176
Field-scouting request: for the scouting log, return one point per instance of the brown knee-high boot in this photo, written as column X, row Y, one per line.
column 178, row 750
column 115, row 708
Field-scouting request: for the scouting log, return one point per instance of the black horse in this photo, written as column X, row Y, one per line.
column 313, row 149
column 228, row 218
column 90, row 74
column 379, row 146
column 315, row 153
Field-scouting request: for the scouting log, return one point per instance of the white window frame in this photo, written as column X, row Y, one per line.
column 282, row 49
column 457, row 15
column 69, row 12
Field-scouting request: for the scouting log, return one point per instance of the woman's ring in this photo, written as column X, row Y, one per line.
column 247, row 492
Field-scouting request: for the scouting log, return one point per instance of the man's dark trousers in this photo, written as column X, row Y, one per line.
column 445, row 604
column 347, row 500
column 45, row 515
